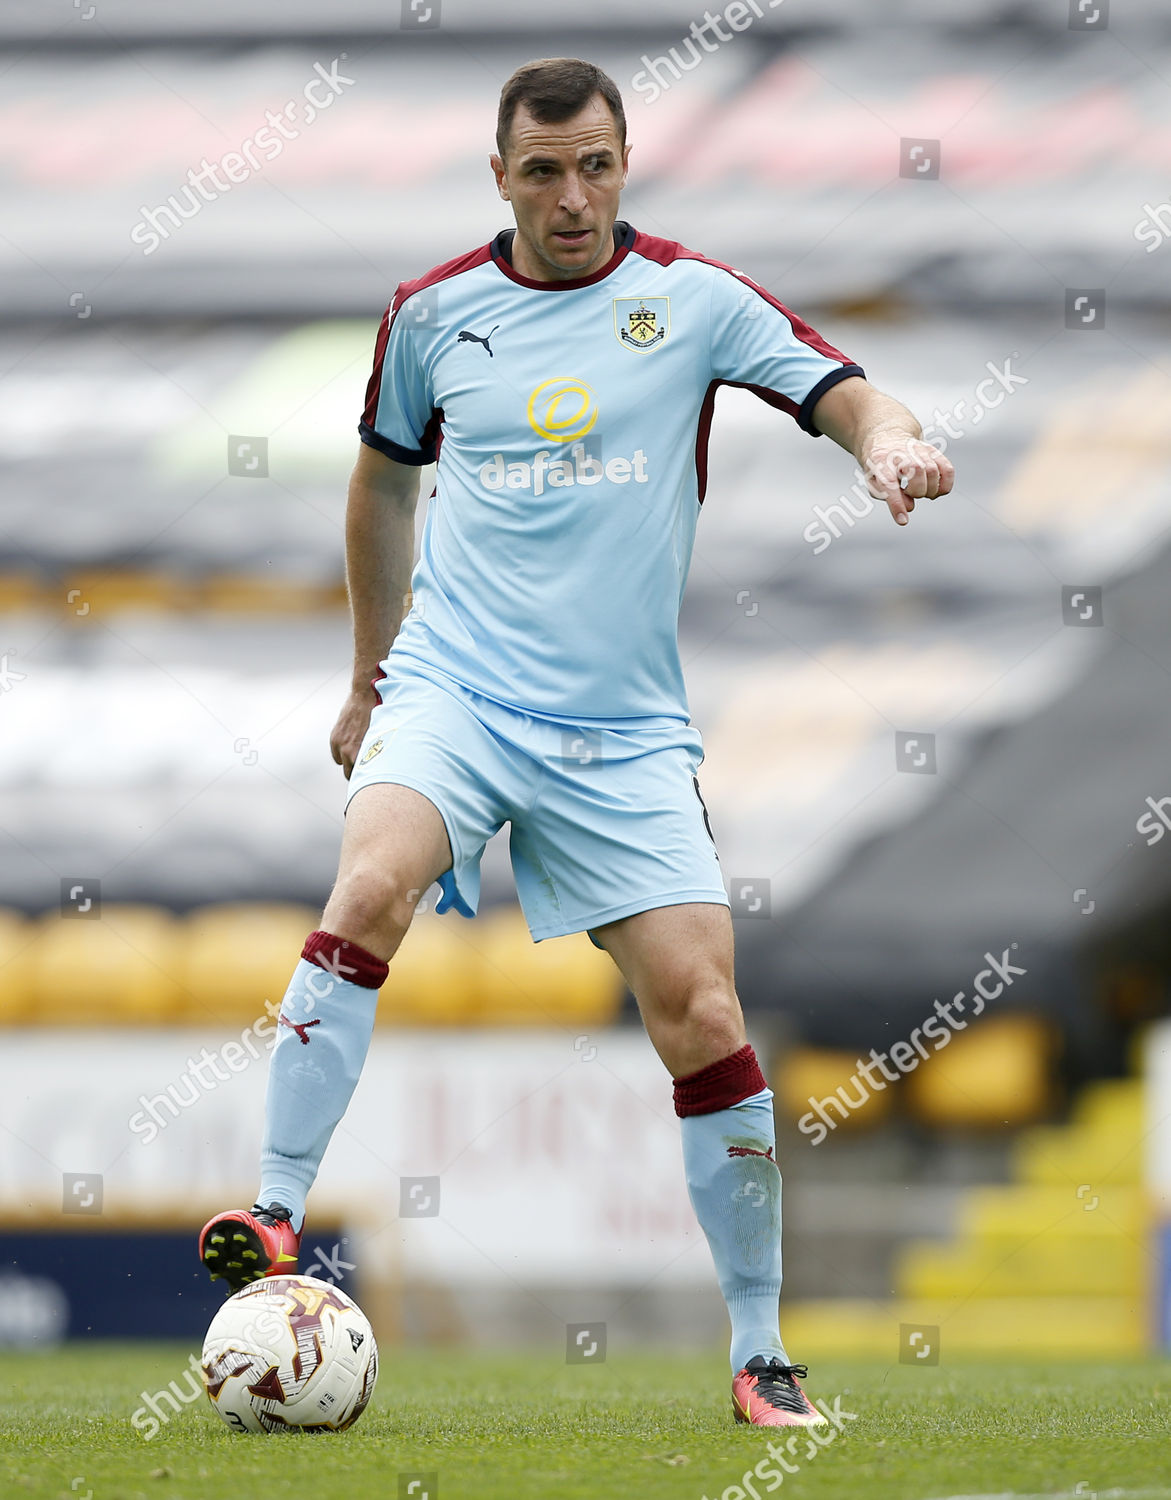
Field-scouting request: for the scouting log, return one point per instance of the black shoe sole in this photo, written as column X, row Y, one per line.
column 233, row 1253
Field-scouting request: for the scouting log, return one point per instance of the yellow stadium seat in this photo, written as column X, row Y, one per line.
column 434, row 976
column 16, row 957
column 1002, row 1215
column 28, row 591
column 1017, row 1328
column 249, row 594
column 1050, row 1266
column 1062, row 1248
column 996, row 1074
column 234, row 958
column 560, row 982
column 1102, row 1143
column 808, row 1080
column 121, row 968
column 95, row 594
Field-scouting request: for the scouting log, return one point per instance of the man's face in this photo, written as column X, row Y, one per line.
column 563, row 182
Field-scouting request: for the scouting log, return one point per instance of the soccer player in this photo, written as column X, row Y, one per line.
column 564, row 378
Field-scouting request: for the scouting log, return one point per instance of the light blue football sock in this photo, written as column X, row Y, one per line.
column 735, row 1187
column 324, row 1030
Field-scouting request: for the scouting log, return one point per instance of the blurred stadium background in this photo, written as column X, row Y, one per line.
column 922, row 747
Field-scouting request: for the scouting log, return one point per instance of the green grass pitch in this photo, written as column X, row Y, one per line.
column 511, row 1427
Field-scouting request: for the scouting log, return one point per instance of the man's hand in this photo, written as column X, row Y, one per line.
column 901, row 469
column 350, row 729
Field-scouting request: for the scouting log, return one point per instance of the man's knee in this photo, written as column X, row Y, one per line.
column 376, row 899
column 705, row 1003
column 695, row 1024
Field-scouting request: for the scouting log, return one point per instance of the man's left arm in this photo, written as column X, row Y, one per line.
column 887, row 442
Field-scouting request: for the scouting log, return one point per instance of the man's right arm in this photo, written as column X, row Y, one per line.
column 380, row 551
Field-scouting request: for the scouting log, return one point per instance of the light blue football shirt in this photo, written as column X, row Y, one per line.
column 571, row 421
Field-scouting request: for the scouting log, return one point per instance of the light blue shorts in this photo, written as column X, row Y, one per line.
column 604, row 822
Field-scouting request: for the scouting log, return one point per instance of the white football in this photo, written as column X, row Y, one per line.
column 290, row 1352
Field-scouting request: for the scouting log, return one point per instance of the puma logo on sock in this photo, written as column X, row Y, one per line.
column 302, row 1027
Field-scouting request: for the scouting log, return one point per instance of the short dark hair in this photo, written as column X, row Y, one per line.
column 553, row 90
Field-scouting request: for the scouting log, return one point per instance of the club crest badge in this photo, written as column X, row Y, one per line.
column 375, row 749
column 642, row 323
